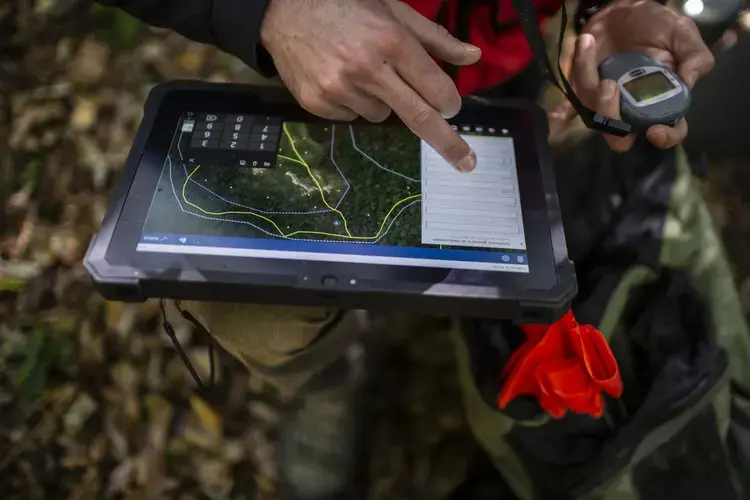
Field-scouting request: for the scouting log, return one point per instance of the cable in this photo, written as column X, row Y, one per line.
column 169, row 330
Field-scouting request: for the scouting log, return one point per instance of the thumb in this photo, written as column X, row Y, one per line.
column 609, row 105
column 435, row 38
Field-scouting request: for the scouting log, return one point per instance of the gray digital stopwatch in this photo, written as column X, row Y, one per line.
column 650, row 93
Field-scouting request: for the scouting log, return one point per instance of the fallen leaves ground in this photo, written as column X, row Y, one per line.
column 94, row 401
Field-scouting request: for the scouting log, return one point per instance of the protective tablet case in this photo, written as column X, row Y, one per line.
column 125, row 283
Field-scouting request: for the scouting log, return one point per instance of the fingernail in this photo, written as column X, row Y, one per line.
column 467, row 163
column 472, row 48
column 587, row 40
column 609, row 87
column 659, row 137
column 450, row 115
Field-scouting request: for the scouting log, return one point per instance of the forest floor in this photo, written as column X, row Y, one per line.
column 94, row 400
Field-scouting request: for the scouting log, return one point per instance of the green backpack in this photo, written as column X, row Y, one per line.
column 654, row 280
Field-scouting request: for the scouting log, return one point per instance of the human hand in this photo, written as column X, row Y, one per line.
column 640, row 25
column 347, row 58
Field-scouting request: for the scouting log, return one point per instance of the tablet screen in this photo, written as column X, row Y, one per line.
column 258, row 186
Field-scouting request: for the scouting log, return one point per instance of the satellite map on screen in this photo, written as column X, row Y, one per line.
column 337, row 183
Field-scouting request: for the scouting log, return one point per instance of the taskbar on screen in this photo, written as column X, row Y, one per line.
column 510, row 261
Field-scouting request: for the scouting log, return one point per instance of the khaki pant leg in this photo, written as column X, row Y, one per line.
column 286, row 346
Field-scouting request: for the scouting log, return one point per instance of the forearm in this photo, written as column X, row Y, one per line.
column 231, row 25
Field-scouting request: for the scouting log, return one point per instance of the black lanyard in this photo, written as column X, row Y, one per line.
column 530, row 26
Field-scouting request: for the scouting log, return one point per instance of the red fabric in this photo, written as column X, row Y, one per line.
column 503, row 55
column 566, row 366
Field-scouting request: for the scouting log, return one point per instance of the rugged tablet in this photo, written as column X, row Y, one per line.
column 236, row 193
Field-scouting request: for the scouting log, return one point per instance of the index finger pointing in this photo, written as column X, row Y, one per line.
column 425, row 121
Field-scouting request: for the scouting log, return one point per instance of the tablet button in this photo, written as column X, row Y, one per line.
column 209, row 126
column 209, row 117
column 266, row 129
column 238, row 145
column 238, row 119
column 238, row 127
column 329, row 280
column 205, row 143
column 261, row 146
column 206, row 134
column 261, row 137
column 231, row 135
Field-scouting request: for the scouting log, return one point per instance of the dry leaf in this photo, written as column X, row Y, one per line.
column 214, row 476
column 90, row 63
column 120, row 477
column 90, row 345
column 84, row 114
column 115, row 435
column 203, row 428
column 160, row 414
column 265, row 484
column 263, row 412
column 208, row 417
column 82, row 408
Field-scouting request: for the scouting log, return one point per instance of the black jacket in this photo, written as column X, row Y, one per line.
column 231, row 25
column 234, row 25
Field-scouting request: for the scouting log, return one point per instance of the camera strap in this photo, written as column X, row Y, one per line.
column 530, row 26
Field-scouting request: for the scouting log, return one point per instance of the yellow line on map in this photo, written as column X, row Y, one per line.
column 290, row 159
column 312, row 176
column 380, row 230
column 295, row 233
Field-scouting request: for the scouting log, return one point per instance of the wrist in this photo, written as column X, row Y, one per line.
column 266, row 24
column 236, row 25
column 273, row 21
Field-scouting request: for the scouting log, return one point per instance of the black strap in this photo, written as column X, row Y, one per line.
column 530, row 26
column 169, row 330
